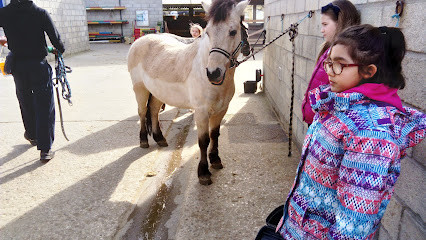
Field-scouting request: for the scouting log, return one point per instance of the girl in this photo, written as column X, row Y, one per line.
column 195, row 29
column 335, row 17
column 352, row 151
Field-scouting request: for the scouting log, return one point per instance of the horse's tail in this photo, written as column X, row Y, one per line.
column 148, row 121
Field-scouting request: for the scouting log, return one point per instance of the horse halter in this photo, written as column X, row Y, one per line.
column 231, row 57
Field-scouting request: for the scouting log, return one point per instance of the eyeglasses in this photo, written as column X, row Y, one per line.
column 336, row 67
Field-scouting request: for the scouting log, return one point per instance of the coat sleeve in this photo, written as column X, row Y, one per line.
column 52, row 32
column 367, row 175
column 2, row 17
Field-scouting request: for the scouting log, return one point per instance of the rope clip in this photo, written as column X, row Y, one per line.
column 293, row 31
column 399, row 7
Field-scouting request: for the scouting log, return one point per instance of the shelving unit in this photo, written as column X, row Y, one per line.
column 108, row 22
column 110, row 36
column 105, row 8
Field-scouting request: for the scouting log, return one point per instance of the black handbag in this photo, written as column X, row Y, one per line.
column 267, row 232
column 9, row 63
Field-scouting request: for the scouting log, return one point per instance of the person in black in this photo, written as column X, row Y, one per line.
column 25, row 25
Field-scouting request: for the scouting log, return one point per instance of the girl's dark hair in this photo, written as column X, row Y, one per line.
column 346, row 16
column 383, row 47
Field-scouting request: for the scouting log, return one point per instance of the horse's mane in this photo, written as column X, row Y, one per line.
column 219, row 10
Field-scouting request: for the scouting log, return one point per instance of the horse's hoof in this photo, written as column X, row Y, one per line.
column 162, row 143
column 144, row 145
column 217, row 165
column 205, row 180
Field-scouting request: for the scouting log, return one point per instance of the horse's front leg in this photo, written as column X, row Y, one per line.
column 214, row 123
column 202, row 121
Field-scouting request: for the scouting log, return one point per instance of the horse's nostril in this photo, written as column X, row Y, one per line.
column 213, row 75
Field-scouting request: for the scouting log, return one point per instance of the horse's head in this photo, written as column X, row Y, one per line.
column 224, row 32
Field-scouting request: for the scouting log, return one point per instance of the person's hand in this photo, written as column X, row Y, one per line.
column 3, row 41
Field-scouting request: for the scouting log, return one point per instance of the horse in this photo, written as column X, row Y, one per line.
column 196, row 74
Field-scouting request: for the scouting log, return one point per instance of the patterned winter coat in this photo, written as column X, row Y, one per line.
column 350, row 164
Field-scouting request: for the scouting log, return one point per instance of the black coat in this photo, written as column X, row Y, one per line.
column 25, row 26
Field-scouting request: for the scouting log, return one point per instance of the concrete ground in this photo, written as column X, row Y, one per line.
column 101, row 185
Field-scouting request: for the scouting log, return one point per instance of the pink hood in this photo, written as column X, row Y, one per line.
column 379, row 92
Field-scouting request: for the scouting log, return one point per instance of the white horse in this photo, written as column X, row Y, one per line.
column 197, row 75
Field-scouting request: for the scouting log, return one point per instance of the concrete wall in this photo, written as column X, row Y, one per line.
column 69, row 17
column 154, row 7
column 406, row 214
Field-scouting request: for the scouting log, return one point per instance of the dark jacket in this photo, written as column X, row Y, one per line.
column 25, row 26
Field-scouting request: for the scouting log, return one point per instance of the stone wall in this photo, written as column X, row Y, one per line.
column 154, row 7
column 406, row 214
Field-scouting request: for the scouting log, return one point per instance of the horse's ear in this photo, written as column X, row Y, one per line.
column 206, row 6
column 241, row 6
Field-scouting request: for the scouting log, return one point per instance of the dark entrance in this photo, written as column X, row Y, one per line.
column 177, row 18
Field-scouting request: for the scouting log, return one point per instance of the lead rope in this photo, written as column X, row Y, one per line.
column 61, row 79
column 293, row 33
column 295, row 25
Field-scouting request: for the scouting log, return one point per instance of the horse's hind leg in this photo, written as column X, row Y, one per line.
column 142, row 96
column 202, row 121
column 214, row 123
column 154, row 107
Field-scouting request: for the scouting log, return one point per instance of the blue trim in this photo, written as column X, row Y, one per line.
column 365, row 167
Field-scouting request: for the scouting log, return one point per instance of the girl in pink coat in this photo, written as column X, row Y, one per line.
column 335, row 17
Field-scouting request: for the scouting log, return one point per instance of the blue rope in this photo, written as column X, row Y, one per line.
column 397, row 19
column 62, row 79
column 309, row 15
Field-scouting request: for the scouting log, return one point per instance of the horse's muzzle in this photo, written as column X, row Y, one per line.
column 215, row 76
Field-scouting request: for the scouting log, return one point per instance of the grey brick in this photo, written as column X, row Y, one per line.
column 309, row 47
column 299, row 6
column 383, row 234
column 410, row 186
column 300, row 67
column 413, row 26
column 311, row 5
column 392, row 218
column 358, row 1
column 419, row 153
column 371, row 15
column 291, row 6
column 414, row 92
column 411, row 228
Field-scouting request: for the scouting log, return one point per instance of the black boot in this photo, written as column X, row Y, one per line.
column 45, row 156
column 32, row 141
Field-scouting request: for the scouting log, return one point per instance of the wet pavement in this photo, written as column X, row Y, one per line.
column 101, row 185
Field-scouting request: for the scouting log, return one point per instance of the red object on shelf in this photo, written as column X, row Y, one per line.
column 139, row 32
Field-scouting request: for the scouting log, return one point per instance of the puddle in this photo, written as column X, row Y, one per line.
column 150, row 226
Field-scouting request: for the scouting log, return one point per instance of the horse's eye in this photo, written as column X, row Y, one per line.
column 233, row 33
